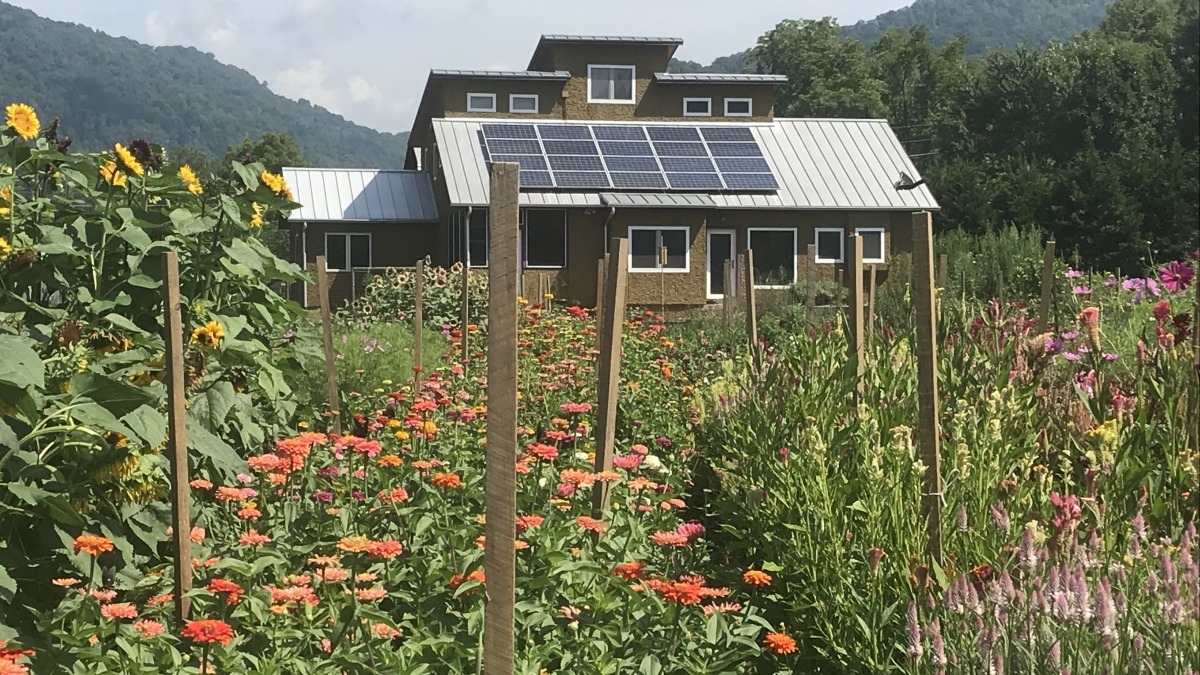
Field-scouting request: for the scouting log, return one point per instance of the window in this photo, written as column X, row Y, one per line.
column 872, row 243
column 646, row 244
column 739, row 107
column 697, row 107
column 477, row 238
column 481, row 103
column 610, row 84
column 523, row 103
column 545, row 238
column 829, row 244
column 347, row 251
column 774, row 257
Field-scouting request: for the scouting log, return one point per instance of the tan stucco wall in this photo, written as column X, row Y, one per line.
column 454, row 97
column 392, row 245
column 665, row 101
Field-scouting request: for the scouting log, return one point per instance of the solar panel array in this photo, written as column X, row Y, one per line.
column 630, row 157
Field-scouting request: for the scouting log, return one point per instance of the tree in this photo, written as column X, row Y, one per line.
column 1145, row 21
column 274, row 149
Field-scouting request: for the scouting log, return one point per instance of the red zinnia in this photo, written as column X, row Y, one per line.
column 218, row 586
column 629, row 571
column 780, row 643
column 207, row 631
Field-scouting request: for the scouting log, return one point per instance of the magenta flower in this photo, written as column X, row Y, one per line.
column 1176, row 275
column 1082, row 290
column 1074, row 274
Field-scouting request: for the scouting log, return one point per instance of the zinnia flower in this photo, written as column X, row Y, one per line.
column 207, row 631
column 589, row 523
column 446, row 481
column 386, row 548
column 355, row 544
column 253, row 538
column 629, row 571
column 779, row 643
column 131, row 163
column 120, row 610
column 149, row 627
column 756, row 578
column 23, row 120
column 232, row 591
column 92, row 544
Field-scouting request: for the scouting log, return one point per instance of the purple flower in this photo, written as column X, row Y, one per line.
column 939, row 647
column 1176, row 276
column 1082, row 290
column 1070, row 335
column 1110, row 282
column 323, row 497
column 1070, row 356
column 1053, row 345
column 915, row 649
column 1000, row 517
column 1074, row 274
column 1029, row 555
column 1109, row 356
column 962, row 519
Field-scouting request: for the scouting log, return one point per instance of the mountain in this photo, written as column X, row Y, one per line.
column 107, row 89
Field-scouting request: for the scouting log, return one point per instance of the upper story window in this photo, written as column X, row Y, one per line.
column 697, row 107
column 610, row 84
column 739, row 107
column 523, row 103
column 481, row 103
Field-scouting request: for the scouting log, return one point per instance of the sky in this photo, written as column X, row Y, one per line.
column 368, row 60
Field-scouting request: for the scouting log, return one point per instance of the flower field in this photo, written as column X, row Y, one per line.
column 760, row 522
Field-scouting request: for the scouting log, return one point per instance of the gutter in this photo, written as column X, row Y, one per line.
column 304, row 257
column 612, row 211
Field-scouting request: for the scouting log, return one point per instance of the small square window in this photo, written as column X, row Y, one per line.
column 523, row 103
column 697, row 107
column 830, row 241
column 646, row 246
column 347, row 251
column 610, row 84
column 872, row 243
column 481, row 103
column 739, row 107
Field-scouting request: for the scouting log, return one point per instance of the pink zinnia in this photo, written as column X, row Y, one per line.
column 669, row 539
column 576, row 408
column 120, row 610
column 692, row 530
column 149, row 627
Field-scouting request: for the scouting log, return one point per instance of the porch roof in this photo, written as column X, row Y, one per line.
column 361, row 195
column 821, row 164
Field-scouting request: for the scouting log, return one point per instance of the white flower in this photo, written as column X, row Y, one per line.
column 653, row 463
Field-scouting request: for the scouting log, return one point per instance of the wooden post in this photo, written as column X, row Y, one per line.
column 871, row 302
column 1047, row 287
column 727, row 297
column 810, row 277
column 500, row 509
column 601, row 280
column 609, row 371
column 331, row 390
column 838, row 288
column 662, row 277
column 751, row 309
column 181, row 519
column 418, row 324
column 943, row 270
column 466, row 311
column 857, row 334
column 928, row 439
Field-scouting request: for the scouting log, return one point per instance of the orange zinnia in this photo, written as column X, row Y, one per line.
column 92, row 544
column 757, row 578
column 120, row 610
column 629, row 571
column 447, row 481
column 207, row 631
column 355, row 544
column 780, row 643
column 589, row 523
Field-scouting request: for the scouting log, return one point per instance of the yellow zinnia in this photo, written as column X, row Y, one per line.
column 5, row 196
column 5, row 249
column 188, row 176
column 23, row 120
column 256, row 220
column 112, row 175
column 129, row 160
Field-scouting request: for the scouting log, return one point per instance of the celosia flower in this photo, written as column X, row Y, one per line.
column 915, row 649
column 779, row 643
column 207, row 631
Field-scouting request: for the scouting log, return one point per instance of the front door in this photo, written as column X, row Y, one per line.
column 721, row 245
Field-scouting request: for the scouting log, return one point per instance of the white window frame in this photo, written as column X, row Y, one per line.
column 749, row 107
column 795, row 247
column 471, row 108
column 841, row 232
column 707, row 113
column 658, row 268
column 525, row 241
column 349, row 257
column 536, row 104
column 882, row 243
column 622, row 101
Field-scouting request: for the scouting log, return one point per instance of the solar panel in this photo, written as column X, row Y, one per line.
column 514, row 147
column 674, row 133
column 626, row 148
column 632, row 164
column 695, row 181
column 688, row 164
column 727, row 134
column 605, row 132
column 570, row 147
column 751, row 181
column 509, row 131
column 575, row 163
column 527, row 162
column 565, row 131
column 581, row 179
column 640, row 181
column 742, row 165
column 666, row 149
column 539, row 179
column 735, row 149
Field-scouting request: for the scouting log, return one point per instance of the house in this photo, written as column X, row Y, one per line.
column 692, row 168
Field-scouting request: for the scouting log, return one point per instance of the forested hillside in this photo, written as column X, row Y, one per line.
column 106, row 88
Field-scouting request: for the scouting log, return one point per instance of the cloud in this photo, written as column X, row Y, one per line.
column 362, row 91
column 306, row 80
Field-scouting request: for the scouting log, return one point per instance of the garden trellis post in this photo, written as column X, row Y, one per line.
column 1047, row 287
column 943, row 270
column 857, row 347
column 609, row 371
column 927, row 384
column 466, row 311
column 331, row 390
column 500, row 509
column 601, row 267
column 751, row 309
column 418, row 323
column 810, row 278
column 871, row 302
column 181, row 520
column 727, row 296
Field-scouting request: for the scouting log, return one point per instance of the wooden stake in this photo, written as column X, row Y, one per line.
column 928, row 438
column 331, row 389
column 466, row 311
column 609, row 371
column 727, row 296
column 1047, row 287
column 500, row 507
column 838, row 289
column 601, row 278
column 181, row 519
column 857, row 334
column 943, row 270
column 751, row 309
column 871, row 302
column 810, row 276
column 418, row 324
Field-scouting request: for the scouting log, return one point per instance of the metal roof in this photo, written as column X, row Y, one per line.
column 821, row 164
column 719, row 78
column 504, row 74
column 361, row 195
column 614, row 39
column 657, row 199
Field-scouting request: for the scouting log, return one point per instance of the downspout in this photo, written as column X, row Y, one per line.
column 304, row 257
column 612, row 212
column 467, row 241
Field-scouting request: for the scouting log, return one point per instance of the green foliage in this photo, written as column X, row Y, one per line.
column 274, row 150
column 110, row 88
column 1005, row 264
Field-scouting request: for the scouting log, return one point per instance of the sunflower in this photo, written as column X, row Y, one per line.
column 130, row 162
column 6, row 197
column 276, row 183
column 5, row 249
column 23, row 120
column 188, row 176
column 256, row 221
column 112, row 175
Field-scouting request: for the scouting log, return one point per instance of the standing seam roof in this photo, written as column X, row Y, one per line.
column 361, row 195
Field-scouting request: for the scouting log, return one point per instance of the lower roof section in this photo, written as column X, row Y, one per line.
column 821, row 164
column 361, row 195
column 658, row 199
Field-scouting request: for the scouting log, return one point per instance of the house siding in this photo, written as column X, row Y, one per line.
column 550, row 99
column 392, row 245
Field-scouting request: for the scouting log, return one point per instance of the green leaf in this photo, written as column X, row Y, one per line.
column 121, row 322
column 21, row 366
column 116, row 397
column 229, row 207
column 143, row 281
column 241, row 252
column 8, row 437
column 212, row 406
column 650, row 665
column 148, row 424
column 186, row 223
column 248, row 177
column 30, row 494
column 136, row 236
column 61, row 510
column 224, row 457
column 8, row 586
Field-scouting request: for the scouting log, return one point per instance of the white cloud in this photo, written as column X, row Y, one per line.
column 306, row 80
column 362, row 91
